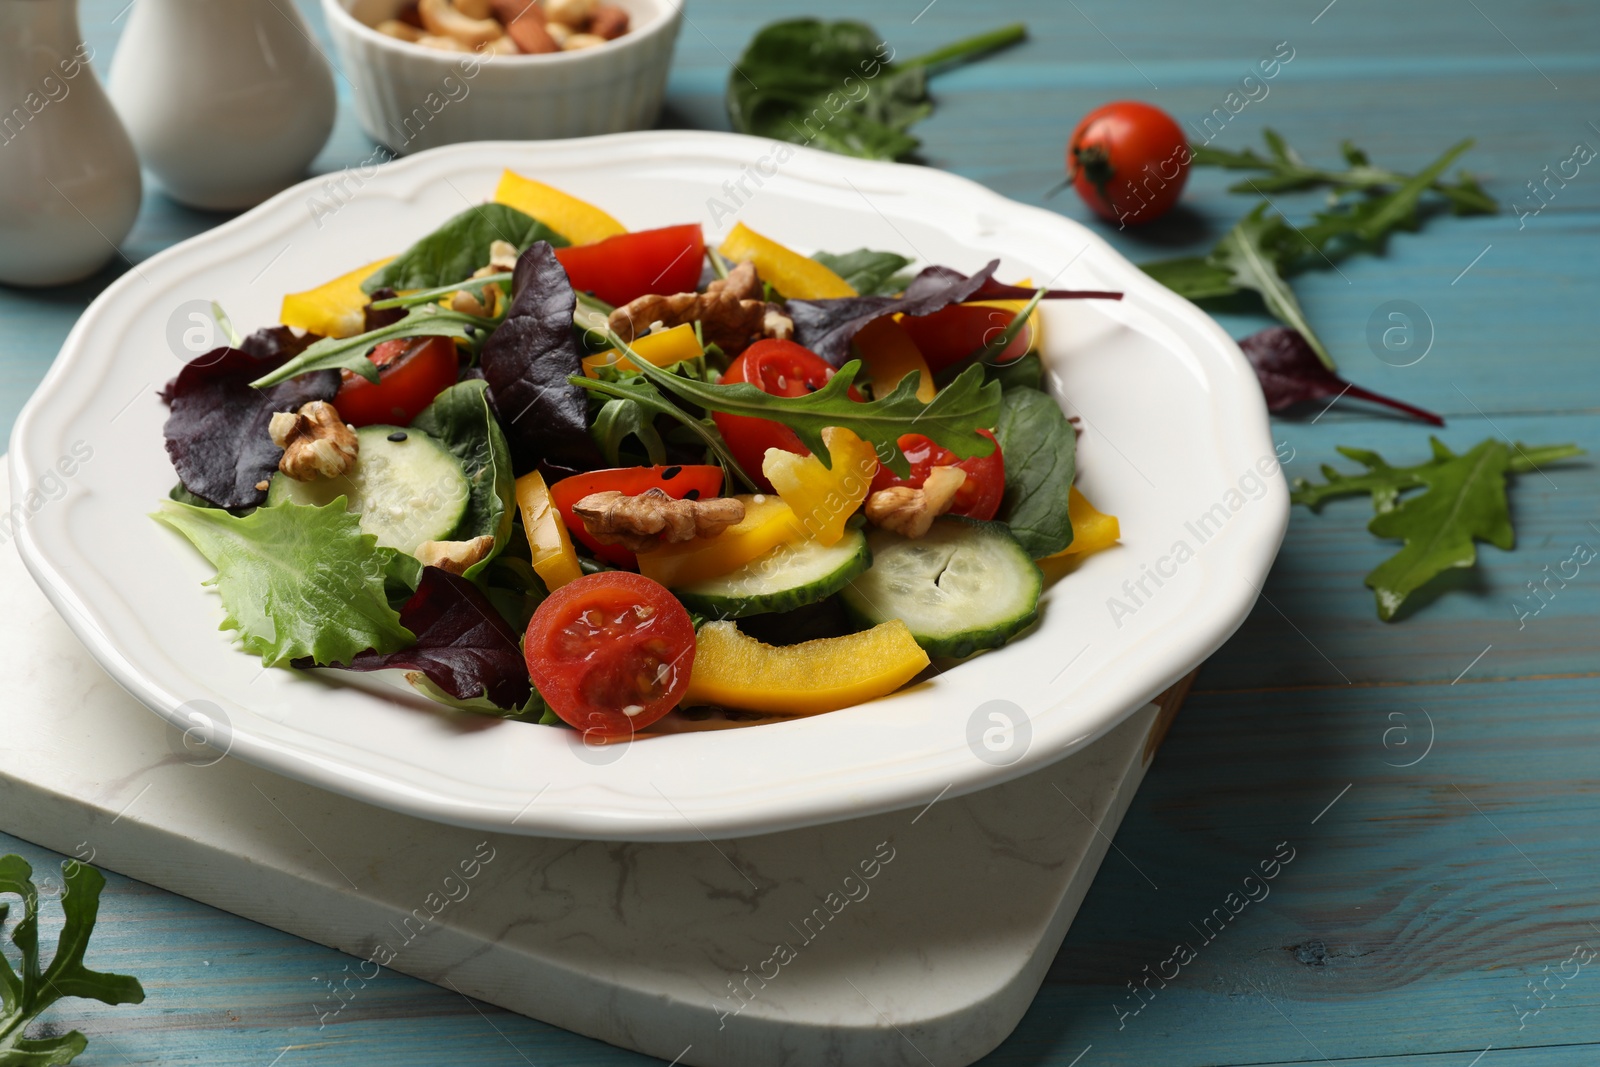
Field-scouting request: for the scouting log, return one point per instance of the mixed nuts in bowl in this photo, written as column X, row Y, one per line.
column 507, row 27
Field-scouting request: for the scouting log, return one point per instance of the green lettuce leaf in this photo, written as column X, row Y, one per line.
column 296, row 581
column 24, row 997
column 1040, row 450
column 453, row 251
column 460, row 419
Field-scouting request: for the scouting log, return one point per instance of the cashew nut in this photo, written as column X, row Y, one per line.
column 573, row 13
column 403, row 30
column 444, row 19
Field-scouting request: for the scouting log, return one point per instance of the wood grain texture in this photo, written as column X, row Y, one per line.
column 1422, row 903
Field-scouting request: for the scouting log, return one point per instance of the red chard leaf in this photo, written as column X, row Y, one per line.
column 1290, row 373
column 464, row 645
column 217, row 431
column 527, row 361
column 828, row 326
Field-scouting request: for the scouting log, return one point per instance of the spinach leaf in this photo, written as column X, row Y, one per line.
column 1040, row 449
column 1024, row 373
column 833, row 85
column 24, row 997
column 868, row 272
column 529, row 361
column 453, row 251
column 460, row 419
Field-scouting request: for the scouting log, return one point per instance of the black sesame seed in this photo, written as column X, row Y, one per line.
column 398, row 435
column 671, row 473
column 693, row 494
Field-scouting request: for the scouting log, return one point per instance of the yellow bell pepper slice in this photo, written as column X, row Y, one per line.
column 795, row 276
column 662, row 349
column 823, row 499
column 554, row 559
column 826, row 674
column 1035, row 319
column 577, row 220
column 1091, row 530
column 888, row 354
column 767, row 523
column 332, row 309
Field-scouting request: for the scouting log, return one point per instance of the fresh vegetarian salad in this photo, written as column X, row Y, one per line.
column 564, row 473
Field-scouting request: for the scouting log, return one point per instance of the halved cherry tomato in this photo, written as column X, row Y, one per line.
column 978, row 497
column 679, row 482
column 959, row 330
column 610, row 652
column 411, row 372
column 631, row 265
column 1128, row 160
column 781, row 368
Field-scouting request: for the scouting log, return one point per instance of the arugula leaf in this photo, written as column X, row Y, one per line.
column 1464, row 502
column 23, row 998
column 453, row 251
column 950, row 419
column 460, row 419
column 1283, row 170
column 617, row 420
column 1192, row 277
column 868, row 273
column 296, row 581
column 1249, row 253
column 832, row 85
column 350, row 353
column 647, row 397
column 1384, row 482
column 1040, row 448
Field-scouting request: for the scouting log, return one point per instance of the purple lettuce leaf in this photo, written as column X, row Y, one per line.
column 217, row 431
column 828, row 326
column 1290, row 373
column 464, row 645
column 527, row 361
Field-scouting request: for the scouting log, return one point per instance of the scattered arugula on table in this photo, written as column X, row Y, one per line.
column 24, row 997
column 1283, row 170
column 297, row 581
column 1263, row 249
column 796, row 82
column 1464, row 502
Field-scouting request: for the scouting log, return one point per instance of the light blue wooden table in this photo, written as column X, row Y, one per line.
column 1428, row 909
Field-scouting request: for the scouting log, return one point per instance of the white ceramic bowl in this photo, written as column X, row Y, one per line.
column 1175, row 443
column 411, row 98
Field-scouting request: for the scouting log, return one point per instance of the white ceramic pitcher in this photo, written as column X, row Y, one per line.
column 69, row 182
column 227, row 101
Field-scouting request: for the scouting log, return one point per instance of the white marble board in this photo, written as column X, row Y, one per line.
column 913, row 938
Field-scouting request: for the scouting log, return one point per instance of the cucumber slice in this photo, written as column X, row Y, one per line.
column 405, row 491
column 788, row 577
column 964, row 586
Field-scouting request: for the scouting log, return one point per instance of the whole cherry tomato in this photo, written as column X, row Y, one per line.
column 1128, row 160
column 686, row 482
column 979, row 496
column 781, row 368
column 955, row 332
column 610, row 652
column 411, row 372
column 631, row 265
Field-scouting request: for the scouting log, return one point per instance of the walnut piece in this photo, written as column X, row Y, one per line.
column 652, row 519
column 468, row 304
column 731, row 313
column 909, row 512
column 502, row 255
column 455, row 556
column 315, row 442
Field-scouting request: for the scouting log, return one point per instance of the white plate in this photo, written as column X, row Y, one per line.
column 1174, row 430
